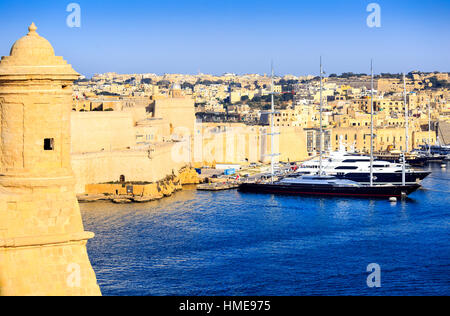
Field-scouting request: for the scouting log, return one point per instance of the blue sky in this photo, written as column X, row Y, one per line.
column 218, row 36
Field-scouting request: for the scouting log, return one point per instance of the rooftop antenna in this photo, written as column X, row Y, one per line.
column 371, row 125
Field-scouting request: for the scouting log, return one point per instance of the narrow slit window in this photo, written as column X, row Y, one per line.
column 49, row 144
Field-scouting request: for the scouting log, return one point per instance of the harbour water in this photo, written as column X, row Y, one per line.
column 228, row 243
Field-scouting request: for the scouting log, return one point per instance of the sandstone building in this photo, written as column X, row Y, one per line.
column 42, row 239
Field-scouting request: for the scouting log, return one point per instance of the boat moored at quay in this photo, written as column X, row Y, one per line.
column 347, row 166
column 335, row 176
column 328, row 186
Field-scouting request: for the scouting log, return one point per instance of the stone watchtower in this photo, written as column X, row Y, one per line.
column 42, row 239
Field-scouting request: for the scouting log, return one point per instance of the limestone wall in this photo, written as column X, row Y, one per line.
column 43, row 242
column 26, row 269
column 179, row 112
column 135, row 165
column 155, row 190
column 444, row 132
column 292, row 146
column 152, row 130
column 228, row 144
column 148, row 190
column 137, row 113
column 104, row 147
column 101, row 131
column 238, row 143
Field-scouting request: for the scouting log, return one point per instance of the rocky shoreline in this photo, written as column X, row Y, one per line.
column 147, row 192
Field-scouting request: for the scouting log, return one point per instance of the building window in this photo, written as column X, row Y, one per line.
column 49, row 143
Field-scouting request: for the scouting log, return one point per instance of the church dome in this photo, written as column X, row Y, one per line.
column 32, row 47
column 175, row 86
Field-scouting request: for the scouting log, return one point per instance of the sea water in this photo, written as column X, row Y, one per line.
column 229, row 243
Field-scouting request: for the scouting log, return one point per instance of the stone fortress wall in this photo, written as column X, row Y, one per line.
column 241, row 144
column 106, row 145
column 444, row 132
column 135, row 165
column 101, row 131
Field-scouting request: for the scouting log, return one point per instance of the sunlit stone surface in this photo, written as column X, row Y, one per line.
column 42, row 239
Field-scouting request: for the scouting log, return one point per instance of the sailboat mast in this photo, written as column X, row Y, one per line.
column 321, row 129
column 406, row 115
column 406, row 131
column 272, row 127
column 429, row 130
column 371, row 125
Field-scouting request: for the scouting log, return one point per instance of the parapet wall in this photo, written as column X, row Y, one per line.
column 135, row 165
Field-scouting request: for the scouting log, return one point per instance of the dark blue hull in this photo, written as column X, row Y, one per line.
column 394, row 178
column 413, row 161
column 330, row 190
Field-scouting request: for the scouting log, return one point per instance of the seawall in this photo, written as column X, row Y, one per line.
column 133, row 165
column 140, row 191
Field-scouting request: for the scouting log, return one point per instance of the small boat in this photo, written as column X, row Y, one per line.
column 329, row 186
column 411, row 159
column 433, row 153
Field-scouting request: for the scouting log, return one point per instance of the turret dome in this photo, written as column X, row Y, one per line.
column 32, row 48
column 34, row 55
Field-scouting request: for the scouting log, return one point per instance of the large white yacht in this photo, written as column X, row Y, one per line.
column 354, row 167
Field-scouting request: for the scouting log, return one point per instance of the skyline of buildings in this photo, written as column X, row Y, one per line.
column 223, row 104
